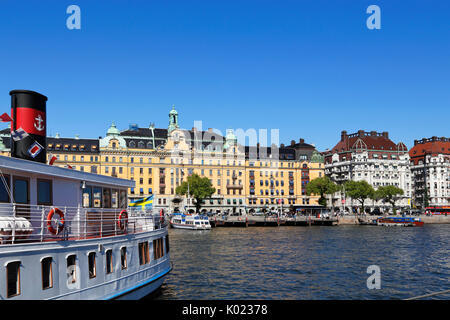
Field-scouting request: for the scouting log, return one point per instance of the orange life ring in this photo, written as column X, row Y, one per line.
column 61, row 221
column 123, row 215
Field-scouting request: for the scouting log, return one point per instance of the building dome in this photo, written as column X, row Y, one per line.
column 173, row 111
column 317, row 157
column 230, row 139
column 112, row 130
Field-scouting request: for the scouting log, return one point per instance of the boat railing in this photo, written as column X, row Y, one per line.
column 23, row 223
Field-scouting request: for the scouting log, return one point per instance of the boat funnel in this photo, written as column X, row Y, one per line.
column 29, row 126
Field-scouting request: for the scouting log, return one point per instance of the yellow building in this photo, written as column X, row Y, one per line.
column 159, row 160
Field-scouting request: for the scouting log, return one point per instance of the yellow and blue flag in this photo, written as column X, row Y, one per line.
column 145, row 203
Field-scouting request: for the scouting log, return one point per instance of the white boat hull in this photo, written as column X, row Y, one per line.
column 190, row 227
column 134, row 282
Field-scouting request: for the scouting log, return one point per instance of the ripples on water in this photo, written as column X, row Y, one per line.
column 294, row 263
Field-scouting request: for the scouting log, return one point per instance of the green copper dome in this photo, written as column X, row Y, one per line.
column 173, row 111
column 173, row 119
column 112, row 130
column 230, row 139
column 317, row 157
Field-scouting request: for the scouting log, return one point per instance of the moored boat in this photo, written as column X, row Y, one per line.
column 67, row 234
column 189, row 221
column 400, row 221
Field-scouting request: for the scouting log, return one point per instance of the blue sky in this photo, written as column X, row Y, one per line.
column 307, row 68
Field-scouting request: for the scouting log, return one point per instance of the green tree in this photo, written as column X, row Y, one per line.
column 389, row 194
column 360, row 191
column 321, row 186
column 199, row 189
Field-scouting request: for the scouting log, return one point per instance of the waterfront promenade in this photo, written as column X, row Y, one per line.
column 268, row 221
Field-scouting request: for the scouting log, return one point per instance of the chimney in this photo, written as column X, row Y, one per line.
column 343, row 135
column 360, row 133
column 385, row 134
column 28, row 111
column 282, row 145
column 373, row 133
column 301, row 141
column 292, row 142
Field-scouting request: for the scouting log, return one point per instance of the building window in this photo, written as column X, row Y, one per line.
column 92, row 267
column 109, row 261
column 123, row 257
column 13, row 279
column 47, row 274
column 144, row 256
column 71, row 268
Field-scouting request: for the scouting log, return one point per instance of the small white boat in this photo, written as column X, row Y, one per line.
column 189, row 221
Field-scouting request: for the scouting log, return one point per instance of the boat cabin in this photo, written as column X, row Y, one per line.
column 79, row 203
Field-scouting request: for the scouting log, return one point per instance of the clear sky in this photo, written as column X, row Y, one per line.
column 308, row 68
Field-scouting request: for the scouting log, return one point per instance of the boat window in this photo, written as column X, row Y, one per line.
column 109, row 261
column 92, row 267
column 21, row 190
column 5, row 189
column 167, row 244
column 144, row 256
column 123, row 257
column 97, row 197
column 158, row 249
column 47, row 275
column 106, row 198
column 123, row 199
column 21, row 195
column 44, row 192
column 71, row 268
column 13, row 279
column 87, row 197
column 115, row 198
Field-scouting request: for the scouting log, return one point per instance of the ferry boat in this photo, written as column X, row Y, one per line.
column 189, row 221
column 67, row 234
column 70, row 235
column 400, row 221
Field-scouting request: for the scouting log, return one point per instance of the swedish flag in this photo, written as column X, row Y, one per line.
column 145, row 203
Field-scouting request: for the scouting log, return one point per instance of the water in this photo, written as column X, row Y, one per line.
column 295, row 263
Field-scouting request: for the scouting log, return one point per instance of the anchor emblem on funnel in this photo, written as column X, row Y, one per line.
column 38, row 125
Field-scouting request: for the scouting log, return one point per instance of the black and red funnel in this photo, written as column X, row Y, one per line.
column 29, row 125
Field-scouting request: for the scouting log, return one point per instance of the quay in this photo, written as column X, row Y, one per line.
column 270, row 221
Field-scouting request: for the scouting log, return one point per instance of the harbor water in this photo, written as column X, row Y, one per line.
column 296, row 263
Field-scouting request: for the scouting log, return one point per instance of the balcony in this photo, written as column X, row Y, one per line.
column 235, row 186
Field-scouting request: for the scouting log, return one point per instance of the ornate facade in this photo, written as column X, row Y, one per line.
column 373, row 157
column 430, row 169
column 159, row 160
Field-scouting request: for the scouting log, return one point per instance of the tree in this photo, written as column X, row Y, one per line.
column 389, row 194
column 321, row 186
column 199, row 188
column 359, row 190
